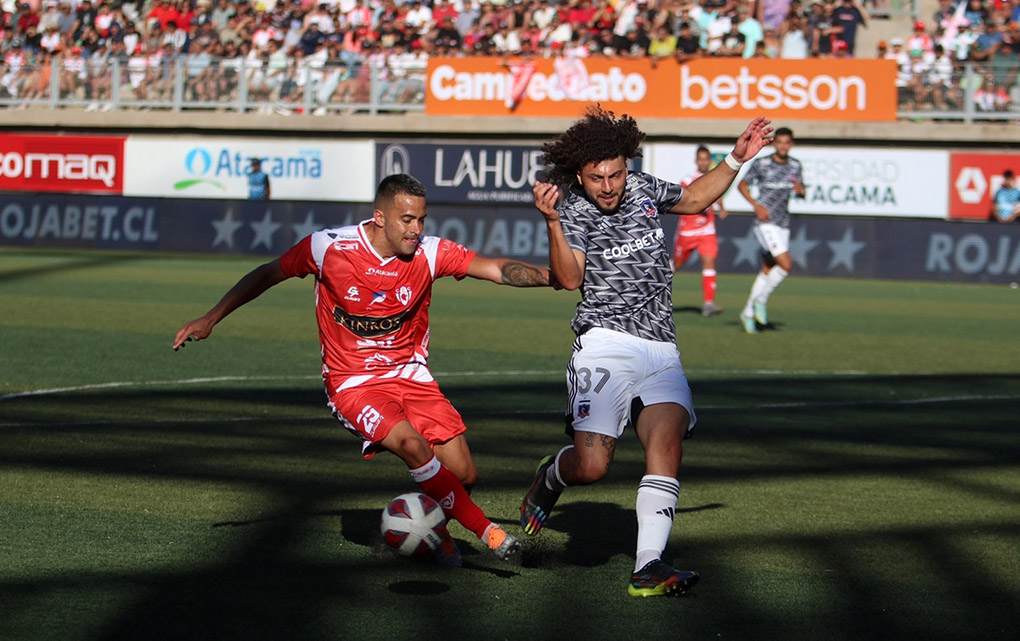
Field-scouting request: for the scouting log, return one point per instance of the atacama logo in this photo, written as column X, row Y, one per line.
column 447, row 83
column 101, row 167
column 207, row 167
column 198, row 162
column 769, row 91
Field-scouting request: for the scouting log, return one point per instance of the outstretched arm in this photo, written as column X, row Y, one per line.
column 247, row 289
column 565, row 264
column 706, row 190
column 506, row 271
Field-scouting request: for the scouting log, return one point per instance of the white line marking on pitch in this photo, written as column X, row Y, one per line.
column 469, row 374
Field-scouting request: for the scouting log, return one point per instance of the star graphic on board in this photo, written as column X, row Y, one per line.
column 306, row 228
column 748, row 249
column 844, row 250
column 264, row 230
column 225, row 229
column 800, row 247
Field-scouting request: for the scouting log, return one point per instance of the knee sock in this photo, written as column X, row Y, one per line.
column 443, row 485
column 760, row 282
column 775, row 276
column 553, row 480
column 708, row 285
column 657, row 497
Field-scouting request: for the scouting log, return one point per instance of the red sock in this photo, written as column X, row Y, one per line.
column 443, row 485
column 708, row 285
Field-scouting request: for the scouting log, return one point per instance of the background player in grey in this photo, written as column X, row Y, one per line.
column 605, row 237
column 778, row 176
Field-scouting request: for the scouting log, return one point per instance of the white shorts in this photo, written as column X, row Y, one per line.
column 773, row 238
column 612, row 376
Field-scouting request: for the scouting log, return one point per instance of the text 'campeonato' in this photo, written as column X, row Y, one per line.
column 743, row 90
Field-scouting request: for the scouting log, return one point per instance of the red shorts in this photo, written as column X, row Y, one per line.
column 707, row 245
column 371, row 410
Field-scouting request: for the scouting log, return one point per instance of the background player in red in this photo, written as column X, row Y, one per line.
column 373, row 285
column 696, row 233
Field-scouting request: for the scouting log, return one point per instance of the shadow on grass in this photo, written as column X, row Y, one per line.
column 275, row 578
column 79, row 261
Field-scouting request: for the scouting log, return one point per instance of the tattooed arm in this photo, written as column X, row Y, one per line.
column 506, row 271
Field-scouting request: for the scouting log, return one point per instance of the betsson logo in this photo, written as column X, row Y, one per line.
column 724, row 91
column 770, row 91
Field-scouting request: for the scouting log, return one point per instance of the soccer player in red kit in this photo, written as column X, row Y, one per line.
column 373, row 285
column 696, row 233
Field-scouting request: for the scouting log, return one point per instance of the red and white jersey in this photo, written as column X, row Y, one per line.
column 373, row 313
column 701, row 225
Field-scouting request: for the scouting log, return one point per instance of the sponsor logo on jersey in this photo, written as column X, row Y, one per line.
column 368, row 326
column 651, row 239
column 377, row 297
column 369, row 343
column 375, row 271
column 648, row 207
column 345, row 247
column 353, row 294
column 404, row 294
column 377, row 361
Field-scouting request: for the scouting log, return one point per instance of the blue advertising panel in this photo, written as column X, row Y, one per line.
column 820, row 245
column 462, row 174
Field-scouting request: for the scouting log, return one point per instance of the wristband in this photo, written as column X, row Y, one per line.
column 733, row 162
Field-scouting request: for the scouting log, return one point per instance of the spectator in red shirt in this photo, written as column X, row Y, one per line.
column 443, row 9
column 27, row 18
column 163, row 13
column 581, row 14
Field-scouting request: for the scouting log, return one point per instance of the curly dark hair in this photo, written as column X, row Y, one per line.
column 599, row 136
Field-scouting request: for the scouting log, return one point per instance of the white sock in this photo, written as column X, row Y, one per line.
column 775, row 276
column 657, row 497
column 756, row 290
column 553, row 480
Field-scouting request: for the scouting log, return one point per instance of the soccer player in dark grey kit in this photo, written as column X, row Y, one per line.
column 605, row 236
column 778, row 176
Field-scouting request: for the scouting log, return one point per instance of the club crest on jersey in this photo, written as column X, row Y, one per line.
column 648, row 207
column 583, row 408
column 403, row 294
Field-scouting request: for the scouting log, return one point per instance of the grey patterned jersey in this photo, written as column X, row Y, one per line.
column 775, row 185
column 627, row 280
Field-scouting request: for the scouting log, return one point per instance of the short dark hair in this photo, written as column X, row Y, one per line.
column 1008, row 173
column 599, row 136
column 395, row 185
column 783, row 131
column 700, row 149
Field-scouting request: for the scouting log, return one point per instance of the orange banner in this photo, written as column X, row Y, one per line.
column 815, row 89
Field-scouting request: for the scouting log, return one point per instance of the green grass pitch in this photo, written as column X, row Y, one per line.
column 855, row 472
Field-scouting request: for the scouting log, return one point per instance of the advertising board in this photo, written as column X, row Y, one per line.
column 204, row 167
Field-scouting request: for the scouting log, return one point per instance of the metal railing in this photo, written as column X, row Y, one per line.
column 203, row 83
column 969, row 93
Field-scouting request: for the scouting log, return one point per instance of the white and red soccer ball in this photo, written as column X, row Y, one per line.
column 413, row 524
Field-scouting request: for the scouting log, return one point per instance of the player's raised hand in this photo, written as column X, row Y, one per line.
column 546, row 196
column 757, row 135
column 194, row 330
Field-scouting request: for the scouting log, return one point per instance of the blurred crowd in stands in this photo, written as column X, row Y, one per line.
column 337, row 48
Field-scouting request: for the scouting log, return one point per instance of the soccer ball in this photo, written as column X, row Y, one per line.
column 413, row 524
